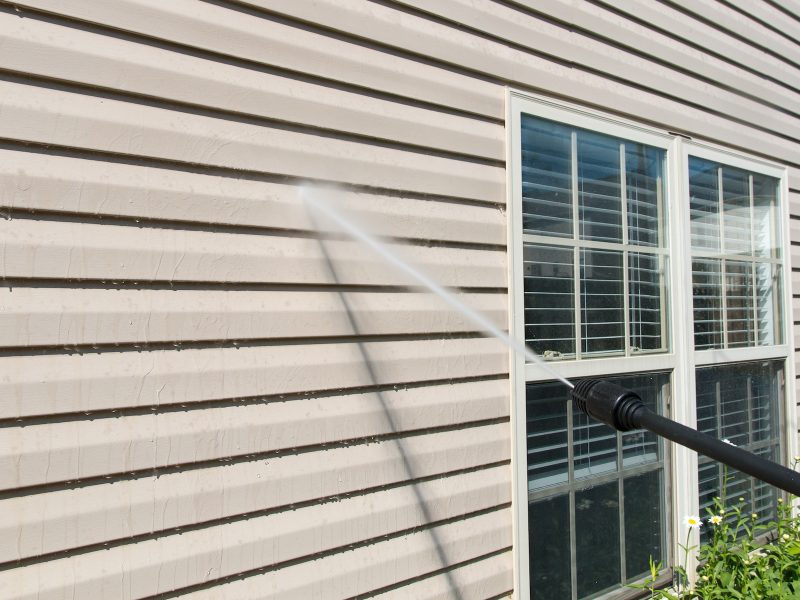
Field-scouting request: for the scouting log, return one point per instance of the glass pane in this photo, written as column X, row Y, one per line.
column 549, row 300
column 548, row 455
column 599, row 189
column 739, row 303
column 644, row 499
column 602, row 302
column 707, row 296
column 736, row 203
column 546, row 177
column 768, row 294
column 643, row 183
column 641, row 446
column 645, row 288
column 594, row 445
column 550, row 559
column 597, row 538
column 740, row 402
column 704, row 204
column 765, row 216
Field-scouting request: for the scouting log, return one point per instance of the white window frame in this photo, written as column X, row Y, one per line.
column 680, row 357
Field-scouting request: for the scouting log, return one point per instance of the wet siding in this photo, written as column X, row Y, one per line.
column 202, row 393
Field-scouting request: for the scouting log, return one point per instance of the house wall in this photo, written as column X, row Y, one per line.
column 200, row 389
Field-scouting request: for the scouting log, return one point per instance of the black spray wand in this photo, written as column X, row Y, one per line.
column 624, row 410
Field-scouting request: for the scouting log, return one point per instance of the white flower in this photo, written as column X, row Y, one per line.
column 785, row 537
column 693, row 522
column 715, row 520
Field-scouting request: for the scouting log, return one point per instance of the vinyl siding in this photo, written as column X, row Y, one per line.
column 202, row 392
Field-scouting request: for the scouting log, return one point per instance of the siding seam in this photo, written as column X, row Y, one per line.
column 240, row 458
column 200, row 525
column 281, row 565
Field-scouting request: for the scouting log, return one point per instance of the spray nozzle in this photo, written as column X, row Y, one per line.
column 609, row 403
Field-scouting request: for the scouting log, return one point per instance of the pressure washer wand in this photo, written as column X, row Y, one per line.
column 624, row 410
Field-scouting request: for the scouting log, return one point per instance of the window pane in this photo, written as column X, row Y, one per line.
column 768, row 294
column 594, row 445
column 736, row 203
column 597, row 549
column 546, row 177
column 707, row 296
column 765, row 216
column 740, row 402
column 704, row 204
column 602, row 302
column 643, row 183
column 641, row 446
column 644, row 300
column 599, row 189
column 548, row 456
column 549, row 300
column 644, row 507
column 550, row 557
column 739, row 303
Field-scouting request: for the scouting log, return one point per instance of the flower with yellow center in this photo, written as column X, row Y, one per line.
column 693, row 522
column 715, row 520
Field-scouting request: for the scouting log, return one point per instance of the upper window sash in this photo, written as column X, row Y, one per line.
column 737, row 214
column 595, row 262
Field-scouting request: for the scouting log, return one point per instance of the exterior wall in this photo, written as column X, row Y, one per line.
column 198, row 391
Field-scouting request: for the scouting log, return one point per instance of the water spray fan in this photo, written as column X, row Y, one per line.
column 624, row 411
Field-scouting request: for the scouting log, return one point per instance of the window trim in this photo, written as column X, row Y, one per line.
column 682, row 496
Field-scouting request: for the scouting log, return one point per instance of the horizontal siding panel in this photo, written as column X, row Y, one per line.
column 739, row 25
column 365, row 569
column 105, row 61
column 68, row 317
column 66, row 250
column 771, row 16
column 71, row 450
column 235, row 34
column 82, row 186
column 450, row 45
column 103, row 381
column 194, row 557
column 691, row 30
column 476, row 581
column 52, row 116
column 539, row 36
column 598, row 21
column 81, row 516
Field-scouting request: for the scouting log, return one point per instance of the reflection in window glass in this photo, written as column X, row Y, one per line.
column 601, row 488
column 740, row 403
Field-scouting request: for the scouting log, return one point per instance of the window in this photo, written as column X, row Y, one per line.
column 640, row 257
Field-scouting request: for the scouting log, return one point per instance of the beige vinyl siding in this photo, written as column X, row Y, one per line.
column 200, row 393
